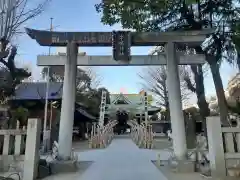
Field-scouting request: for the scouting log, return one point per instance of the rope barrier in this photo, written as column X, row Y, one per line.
column 101, row 137
column 142, row 134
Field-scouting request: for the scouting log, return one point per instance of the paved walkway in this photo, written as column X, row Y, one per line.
column 122, row 160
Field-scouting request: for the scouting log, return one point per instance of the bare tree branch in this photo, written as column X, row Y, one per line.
column 96, row 79
column 14, row 13
column 155, row 81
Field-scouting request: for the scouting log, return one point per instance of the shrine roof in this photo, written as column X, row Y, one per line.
column 37, row 91
column 133, row 98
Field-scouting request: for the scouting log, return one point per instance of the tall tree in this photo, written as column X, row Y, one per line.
column 87, row 82
column 193, row 78
column 183, row 15
column 11, row 76
column 92, row 99
column 85, row 77
column 196, row 85
column 13, row 14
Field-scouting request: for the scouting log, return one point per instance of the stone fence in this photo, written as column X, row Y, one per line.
column 224, row 148
column 20, row 150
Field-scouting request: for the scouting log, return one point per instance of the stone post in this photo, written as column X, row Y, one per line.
column 190, row 131
column 6, row 144
column 18, row 142
column 175, row 103
column 215, row 146
column 32, row 150
column 68, row 102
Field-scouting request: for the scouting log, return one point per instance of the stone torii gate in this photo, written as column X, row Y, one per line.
column 121, row 41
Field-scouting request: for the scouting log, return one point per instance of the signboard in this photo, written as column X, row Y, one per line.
column 83, row 38
column 48, row 38
column 92, row 38
column 121, row 45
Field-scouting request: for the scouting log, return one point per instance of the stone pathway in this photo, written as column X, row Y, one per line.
column 122, row 160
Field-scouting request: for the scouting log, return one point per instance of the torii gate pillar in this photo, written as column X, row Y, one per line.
column 68, row 103
column 175, row 103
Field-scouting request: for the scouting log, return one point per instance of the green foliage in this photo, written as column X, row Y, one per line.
column 160, row 15
column 10, row 75
column 236, row 40
column 131, row 14
column 92, row 99
column 183, row 15
column 85, row 94
column 56, row 74
column 21, row 114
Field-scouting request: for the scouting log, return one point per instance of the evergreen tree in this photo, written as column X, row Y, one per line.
column 10, row 75
column 179, row 15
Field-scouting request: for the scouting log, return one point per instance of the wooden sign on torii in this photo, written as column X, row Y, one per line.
column 121, row 43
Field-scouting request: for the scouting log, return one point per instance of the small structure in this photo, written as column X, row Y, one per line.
column 31, row 95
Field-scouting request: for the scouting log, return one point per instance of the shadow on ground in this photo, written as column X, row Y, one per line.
column 82, row 167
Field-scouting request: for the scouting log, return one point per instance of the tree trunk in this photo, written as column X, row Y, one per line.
column 165, row 92
column 222, row 103
column 201, row 98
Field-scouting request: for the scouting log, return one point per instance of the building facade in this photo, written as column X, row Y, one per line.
column 131, row 104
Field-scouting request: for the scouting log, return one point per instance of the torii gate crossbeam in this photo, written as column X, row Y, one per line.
column 136, row 60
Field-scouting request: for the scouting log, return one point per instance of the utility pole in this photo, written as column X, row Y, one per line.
column 46, row 133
